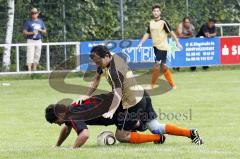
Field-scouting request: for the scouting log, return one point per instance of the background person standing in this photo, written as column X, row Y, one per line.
column 34, row 29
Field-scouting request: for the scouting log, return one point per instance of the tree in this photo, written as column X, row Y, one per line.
column 9, row 34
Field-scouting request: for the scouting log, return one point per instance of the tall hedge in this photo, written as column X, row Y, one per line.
column 97, row 20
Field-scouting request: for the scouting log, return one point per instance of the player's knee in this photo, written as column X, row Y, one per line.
column 156, row 68
column 160, row 130
column 85, row 135
column 155, row 127
column 164, row 67
column 156, row 65
column 122, row 136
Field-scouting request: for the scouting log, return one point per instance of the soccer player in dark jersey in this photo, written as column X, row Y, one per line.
column 57, row 113
column 78, row 116
column 159, row 29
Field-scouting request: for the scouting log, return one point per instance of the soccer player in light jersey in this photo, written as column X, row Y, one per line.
column 158, row 29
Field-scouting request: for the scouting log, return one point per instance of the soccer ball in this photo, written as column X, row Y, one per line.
column 106, row 138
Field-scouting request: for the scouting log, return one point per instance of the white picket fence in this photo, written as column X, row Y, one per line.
column 221, row 25
column 48, row 68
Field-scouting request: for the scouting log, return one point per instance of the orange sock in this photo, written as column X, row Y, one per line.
column 168, row 76
column 155, row 75
column 137, row 138
column 174, row 130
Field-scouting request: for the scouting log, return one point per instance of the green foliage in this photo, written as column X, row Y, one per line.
column 98, row 20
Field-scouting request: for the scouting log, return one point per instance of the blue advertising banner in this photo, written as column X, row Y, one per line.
column 195, row 52
column 137, row 58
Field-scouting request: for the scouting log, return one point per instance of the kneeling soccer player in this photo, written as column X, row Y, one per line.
column 131, row 104
column 62, row 114
column 142, row 116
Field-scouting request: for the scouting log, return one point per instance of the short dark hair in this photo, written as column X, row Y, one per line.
column 100, row 50
column 52, row 111
column 156, row 6
column 185, row 18
column 211, row 20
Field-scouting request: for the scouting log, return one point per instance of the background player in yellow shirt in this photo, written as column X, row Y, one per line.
column 159, row 29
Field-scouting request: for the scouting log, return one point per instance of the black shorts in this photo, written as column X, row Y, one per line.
column 143, row 112
column 100, row 121
column 161, row 56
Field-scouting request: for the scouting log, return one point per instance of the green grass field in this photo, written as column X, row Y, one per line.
column 213, row 97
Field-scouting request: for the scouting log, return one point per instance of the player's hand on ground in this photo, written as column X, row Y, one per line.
column 55, row 146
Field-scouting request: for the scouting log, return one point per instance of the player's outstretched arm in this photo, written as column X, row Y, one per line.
column 63, row 135
column 81, row 139
column 92, row 88
column 94, row 84
column 144, row 38
column 176, row 40
column 115, row 103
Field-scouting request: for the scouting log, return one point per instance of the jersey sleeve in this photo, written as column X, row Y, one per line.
column 148, row 29
column 167, row 27
column 99, row 70
column 68, row 124
column 116, row 76
column 77, row 125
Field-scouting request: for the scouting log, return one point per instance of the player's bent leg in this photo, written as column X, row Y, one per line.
column 168, row 75
column 172, row 129
column 155, row 74
column 122, row 135
column 163, row 68
column 156, row 128
column 138, row 138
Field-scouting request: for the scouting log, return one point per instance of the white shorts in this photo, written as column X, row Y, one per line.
column 34, row 51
